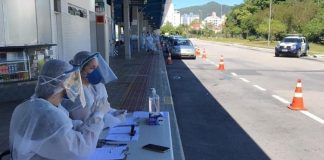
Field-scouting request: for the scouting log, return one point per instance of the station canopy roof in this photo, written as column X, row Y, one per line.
column 152, row 10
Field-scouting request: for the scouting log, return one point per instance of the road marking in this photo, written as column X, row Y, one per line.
column 245, row 80
column 211, row 62
column 280, row 99
column 260, row 88
column 234, row 74
column 313, row 116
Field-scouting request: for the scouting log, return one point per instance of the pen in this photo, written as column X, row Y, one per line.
column 132, row 132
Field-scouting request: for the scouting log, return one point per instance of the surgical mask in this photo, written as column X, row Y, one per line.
column 94, row 77
column 103, row 73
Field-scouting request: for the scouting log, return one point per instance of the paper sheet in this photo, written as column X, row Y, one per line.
column 122, row 134
column 109, row 153
column 123, row 129
column 141, row 114
column 128, row 122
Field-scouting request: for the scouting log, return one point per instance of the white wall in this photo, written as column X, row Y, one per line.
column 2, row 35
column 72, row 33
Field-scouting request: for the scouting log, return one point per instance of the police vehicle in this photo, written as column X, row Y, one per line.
column 292, row 45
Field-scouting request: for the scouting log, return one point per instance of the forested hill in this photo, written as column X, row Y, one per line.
column 206, row 9
column 250, row 19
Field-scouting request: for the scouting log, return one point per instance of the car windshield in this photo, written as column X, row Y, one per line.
column 183, row 43
column 291, row 40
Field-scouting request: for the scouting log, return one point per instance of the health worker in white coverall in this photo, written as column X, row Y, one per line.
column 95, row 73
column 41, row 129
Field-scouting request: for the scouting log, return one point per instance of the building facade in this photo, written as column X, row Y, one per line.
column 172, row 15
column 177, row 18
column 187, row 19
column 216, row 22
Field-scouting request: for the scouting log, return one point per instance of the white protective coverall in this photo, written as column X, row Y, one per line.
column 40, row 130
column 95, row 93
column 150, row 43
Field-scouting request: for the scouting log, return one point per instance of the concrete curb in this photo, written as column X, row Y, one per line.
column 179, row 155
column 316, row 57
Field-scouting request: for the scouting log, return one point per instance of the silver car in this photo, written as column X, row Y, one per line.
column 183, row 48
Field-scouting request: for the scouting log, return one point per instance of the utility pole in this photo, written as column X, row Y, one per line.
column 269, row 31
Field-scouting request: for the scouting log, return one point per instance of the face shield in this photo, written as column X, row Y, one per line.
column 70, row 81
column 103, row 73
column 73, row 87
column 106, row 72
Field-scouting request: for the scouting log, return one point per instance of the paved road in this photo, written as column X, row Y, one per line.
column 242, row 113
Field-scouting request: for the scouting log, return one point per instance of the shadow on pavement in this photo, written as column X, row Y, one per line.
column 207, row 131
column 6, row 110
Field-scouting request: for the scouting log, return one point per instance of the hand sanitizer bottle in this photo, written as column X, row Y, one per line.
column 154, row 102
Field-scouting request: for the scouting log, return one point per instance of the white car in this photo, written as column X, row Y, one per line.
column 183, row 48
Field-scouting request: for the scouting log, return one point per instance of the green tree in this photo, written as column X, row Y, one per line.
column 232, row 27
column 182, row 30
column 277, row 29
column 167, row 28
column 295, row 14
column 314, row 30
column 242, row 17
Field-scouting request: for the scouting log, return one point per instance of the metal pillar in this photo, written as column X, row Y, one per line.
column 119, row 32
column 140, row 28
column 136, row 15
column 126, row 29
column 145, row 26
column 102, row 32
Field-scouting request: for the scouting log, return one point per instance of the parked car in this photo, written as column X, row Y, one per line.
column 183, row 48
column 292, row 46
column 171, row 40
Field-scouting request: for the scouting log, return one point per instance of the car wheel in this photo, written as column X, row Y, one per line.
column 298, row 53
column 277, row 54
column 306, row 52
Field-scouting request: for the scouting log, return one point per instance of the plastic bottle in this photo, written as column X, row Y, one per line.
column 154, row 102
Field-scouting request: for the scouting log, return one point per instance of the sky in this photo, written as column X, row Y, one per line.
column 186, row 3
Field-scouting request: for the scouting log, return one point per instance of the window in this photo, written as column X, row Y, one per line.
column 73, row 10
column 57, row 5
column 183, row 42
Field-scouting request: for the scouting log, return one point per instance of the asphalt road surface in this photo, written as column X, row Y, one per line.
column 242, row 113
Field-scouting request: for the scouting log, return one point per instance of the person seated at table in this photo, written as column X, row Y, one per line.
column 95, row 73
column 40, row 129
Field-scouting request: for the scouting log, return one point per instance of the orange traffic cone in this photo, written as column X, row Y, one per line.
column 169, row 61
column 204, row 55
column 221, row 65
column 298, row 102
column 197, row 51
